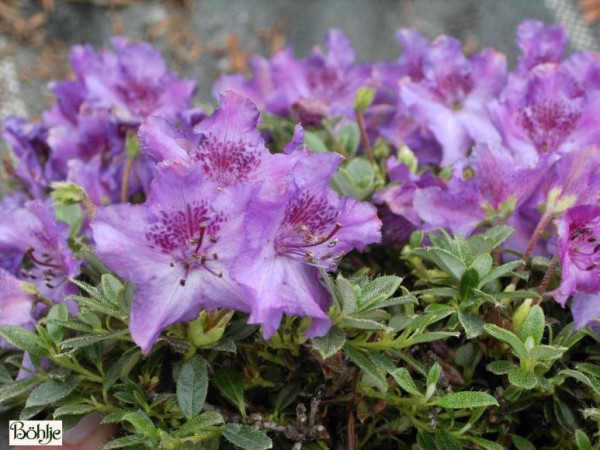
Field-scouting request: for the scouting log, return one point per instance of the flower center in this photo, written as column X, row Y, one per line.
column 308, row 231
column 584, row 246
column 188, row 236
column 42, row 267
column 226, row 162
column 548, row 122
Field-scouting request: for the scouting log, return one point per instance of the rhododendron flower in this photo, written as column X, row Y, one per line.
column 307, row 228
column 132, row 82
column 578, row 247
column 278, row 84
column 177, row 248
column 540, row 44
column 548, row 113
column 32, row 233
column 451, row 98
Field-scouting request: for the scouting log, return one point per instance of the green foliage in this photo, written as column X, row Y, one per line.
column 450, row 355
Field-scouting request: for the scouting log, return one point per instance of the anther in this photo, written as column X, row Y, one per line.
column 182, row 282
column 591, row 266
column 332, row 243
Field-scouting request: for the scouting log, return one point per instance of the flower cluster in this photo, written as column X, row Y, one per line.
column 516, row 148
column 204, row 211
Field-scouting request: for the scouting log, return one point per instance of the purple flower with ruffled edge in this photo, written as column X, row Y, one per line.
column 294, row 234
column 451, row 98
column 177, row 248
column 461, row 204
column 33, row 233
column 132, row 82
column 578, row 248
column 34, row 168
column 548, row 113
column 539, row 44
column 277, row 84
column 15, row 305
column 227, row 145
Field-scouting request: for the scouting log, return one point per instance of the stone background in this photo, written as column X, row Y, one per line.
column 206, row 37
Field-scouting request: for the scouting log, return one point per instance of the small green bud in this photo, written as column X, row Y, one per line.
column 363, row 98
column 132, row 146
column 209, row 327
column 67, row 192
column 416, row 239
column 406, row 156
column 521, row 314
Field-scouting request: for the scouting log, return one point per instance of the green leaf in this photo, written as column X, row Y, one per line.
column 498, row 272
column 142, row 424
column 582, row 440
column 472, row 324
column 57, row 312
column 23, row 339
column 508, row 338
column 485, row 443
column 84, row 341
column 378, row 290
column 52, row 391
column 329, row 344
column 362, row 324
column 192, row 386
column 74, row 409
column 463, row 248
column 367, row 367
column 121, row 368
column 349, row 137
column 200, row 422
column 594, row 384
column 445, row 441
column 314, row 142
column 286, row 396
column 127, row 441
column 434, row 374
column 111, row 288
column 521, row 443
column 17, row 388
column 405, row 381
column 483, row 264
column 346, row 294
column 490, row 239
column 231, row 383
column 501, row 367
column 443, row 259
column 533, row 325
column 246, row 437
column 547, row 352
column 522, row 379
column 429, row 337
column 468, row 282
column 466, row 399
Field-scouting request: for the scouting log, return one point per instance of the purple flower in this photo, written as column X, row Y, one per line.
column 33, row 233
column 15, row 305
column 451, row 98
column 586, row 311
column 539, row 44
column 227, row 145
column 132, row 82
column 548, row 113
column 496, row 180
column 177, row 248
column 276, row 85
column 578, row 247
column 293, row 235
column 34, row 167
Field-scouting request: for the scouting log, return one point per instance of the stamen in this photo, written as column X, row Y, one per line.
column 40, row 263
column 182, row 281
